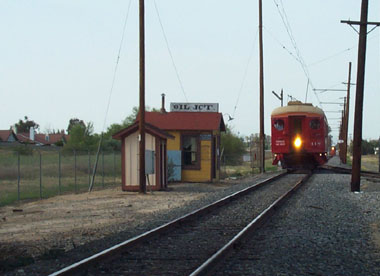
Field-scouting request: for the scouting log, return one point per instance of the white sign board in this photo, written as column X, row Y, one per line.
column 194, row 107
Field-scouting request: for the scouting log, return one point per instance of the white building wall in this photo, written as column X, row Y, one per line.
column 132, row 158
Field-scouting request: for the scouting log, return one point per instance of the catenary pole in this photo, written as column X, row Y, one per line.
column 262, row 135
column 347, row 114
column 142, row 181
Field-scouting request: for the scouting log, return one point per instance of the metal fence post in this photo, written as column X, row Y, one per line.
column 89, row 168
column 18, row 176
column 114, row 167
column 75, row 171
column 59, row 172
column 40, row 175
column 102, row 168
column 378, row 152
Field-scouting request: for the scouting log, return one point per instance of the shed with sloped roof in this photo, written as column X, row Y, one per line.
column 155, row 157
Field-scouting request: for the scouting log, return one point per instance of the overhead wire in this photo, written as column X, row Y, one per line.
column 281, row 44
column 285, row 21
column 332, row 56
column 245, row 72
column 116, row 64
column 170, row 52
column 109, row 98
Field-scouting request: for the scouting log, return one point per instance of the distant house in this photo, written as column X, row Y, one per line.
column 41, row 139
column 7, row 136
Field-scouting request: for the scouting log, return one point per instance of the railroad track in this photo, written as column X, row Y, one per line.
column 348, row 171
column 195, row 243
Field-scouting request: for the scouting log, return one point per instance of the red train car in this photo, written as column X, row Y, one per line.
column 299, row 135
column 332, row 151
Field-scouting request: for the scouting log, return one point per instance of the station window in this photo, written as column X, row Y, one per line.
column 190, row 151
column 315, row 124
column 279, row 124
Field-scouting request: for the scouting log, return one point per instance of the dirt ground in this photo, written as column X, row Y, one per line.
column 67, row 221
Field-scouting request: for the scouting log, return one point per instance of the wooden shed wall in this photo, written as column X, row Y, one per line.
column 132, row 158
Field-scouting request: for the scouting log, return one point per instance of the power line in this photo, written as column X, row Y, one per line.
column 170, row 52
column 116, row 64
column 332, row 56
column 245, row 72
column 281, row 44
column 288, row 29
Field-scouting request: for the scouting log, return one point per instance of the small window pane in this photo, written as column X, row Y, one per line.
column 279, row 124
column 190, row 150
column 315, row 124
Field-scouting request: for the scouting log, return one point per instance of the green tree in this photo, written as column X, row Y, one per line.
column 368, row 146
column 233, row 147
column 82, row 138
column 25, row 125
column 133, row 116
column 73, row 122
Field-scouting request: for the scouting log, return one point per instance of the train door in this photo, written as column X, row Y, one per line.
column 295, row 130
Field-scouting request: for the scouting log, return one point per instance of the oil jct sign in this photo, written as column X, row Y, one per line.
column 194, row 107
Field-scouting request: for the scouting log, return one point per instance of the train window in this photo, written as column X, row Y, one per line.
column 315, row 124
column 279, row 124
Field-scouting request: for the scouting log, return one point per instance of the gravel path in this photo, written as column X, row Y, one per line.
column 324, row 230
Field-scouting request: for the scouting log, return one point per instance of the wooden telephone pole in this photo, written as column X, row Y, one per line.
column 346, row 116
column 262, row 135
column 358, row 121
column 142, row 180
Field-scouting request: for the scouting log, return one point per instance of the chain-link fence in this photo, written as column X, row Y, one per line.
column 240, row 165
column 38, row 172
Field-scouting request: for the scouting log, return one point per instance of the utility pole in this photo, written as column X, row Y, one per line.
column 347, row 115
column 142, row 180
column 358, row 121
column 342, row 132
column 262, row 135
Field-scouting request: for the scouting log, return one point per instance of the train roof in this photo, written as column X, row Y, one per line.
column 297, row 107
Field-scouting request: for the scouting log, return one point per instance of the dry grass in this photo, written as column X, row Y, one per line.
column 369, row 162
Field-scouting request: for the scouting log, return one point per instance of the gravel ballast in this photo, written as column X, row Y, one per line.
column 323, row 230
column 204, row 193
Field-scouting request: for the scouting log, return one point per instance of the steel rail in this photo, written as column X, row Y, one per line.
column 209, row 266
column 348, row 171
column 123, row 246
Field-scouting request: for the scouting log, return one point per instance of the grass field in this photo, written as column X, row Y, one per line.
column 58, row 174
column 25, row 179
column 369, row 162
column 245, row 169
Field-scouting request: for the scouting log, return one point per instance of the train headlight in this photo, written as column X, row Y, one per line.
column 297, row 142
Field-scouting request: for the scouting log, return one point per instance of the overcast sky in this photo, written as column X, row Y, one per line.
column 57, row 58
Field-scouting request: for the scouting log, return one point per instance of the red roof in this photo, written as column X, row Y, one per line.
column 41, row 138
column 186, row 120
column 24, row 138
column 49, row 139
column 148, row 127
column 4, row 135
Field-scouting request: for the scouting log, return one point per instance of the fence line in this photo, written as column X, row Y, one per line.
column 40, row 173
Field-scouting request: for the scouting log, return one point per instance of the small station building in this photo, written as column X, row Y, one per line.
column 184, row 143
